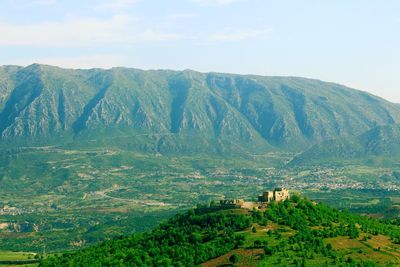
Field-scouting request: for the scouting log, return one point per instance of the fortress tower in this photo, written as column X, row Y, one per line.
column 279, row 194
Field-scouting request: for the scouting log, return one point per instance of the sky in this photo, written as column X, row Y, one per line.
column 351, row 42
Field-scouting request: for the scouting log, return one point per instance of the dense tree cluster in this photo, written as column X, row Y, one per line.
column 185, row 240
column 315, row 222
column 300, row 214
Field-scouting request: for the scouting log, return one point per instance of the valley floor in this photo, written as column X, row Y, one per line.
column 70, row 198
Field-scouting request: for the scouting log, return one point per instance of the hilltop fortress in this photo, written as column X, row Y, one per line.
column 278, row 194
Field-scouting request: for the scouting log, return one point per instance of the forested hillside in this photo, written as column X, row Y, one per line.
column 291, row 233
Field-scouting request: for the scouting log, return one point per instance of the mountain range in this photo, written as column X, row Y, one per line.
column 373, row 146
column 168, row 111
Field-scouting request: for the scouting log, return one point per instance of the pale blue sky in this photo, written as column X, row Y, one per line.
column 353, row 42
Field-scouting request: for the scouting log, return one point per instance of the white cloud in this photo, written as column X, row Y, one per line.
column 180, row 16
column 81, row 32
column 230, row 35
column 44, row 2
column 216, row 2
column 115, row 5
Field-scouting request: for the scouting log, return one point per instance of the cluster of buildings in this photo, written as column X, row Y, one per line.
column 8, row 210
column 278, row 194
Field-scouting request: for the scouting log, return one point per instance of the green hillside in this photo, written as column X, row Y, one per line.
column 299, row 232
column 378, row 146
column 179, row 112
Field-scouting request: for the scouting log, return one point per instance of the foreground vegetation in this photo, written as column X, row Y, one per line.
column 298, row 232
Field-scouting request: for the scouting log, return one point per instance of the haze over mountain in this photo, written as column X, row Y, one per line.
column 180, row 111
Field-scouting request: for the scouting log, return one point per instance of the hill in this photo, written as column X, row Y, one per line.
column 291, row 233
column 179, row 111
column 380, row 145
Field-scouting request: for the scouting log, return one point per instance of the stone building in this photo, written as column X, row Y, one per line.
column 279, row 194
column 232, row 202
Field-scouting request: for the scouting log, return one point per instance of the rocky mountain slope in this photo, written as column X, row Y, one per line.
column 171, row 111
column 381, row 141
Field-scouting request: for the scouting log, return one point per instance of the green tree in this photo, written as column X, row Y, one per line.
column 233, row 258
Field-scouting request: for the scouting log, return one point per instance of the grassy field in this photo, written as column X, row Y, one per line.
column 247, row 257
column 10, row 259
column 379, row 249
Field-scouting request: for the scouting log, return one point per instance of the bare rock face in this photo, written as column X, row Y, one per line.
column 168, row 111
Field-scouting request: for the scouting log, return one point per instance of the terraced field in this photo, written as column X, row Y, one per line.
column 11, row 259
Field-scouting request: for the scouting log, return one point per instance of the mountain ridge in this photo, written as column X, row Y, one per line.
column 189, row 111
column 380, row 141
